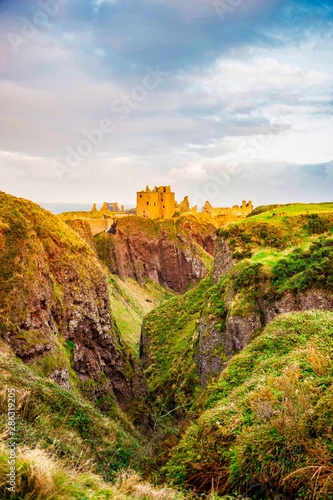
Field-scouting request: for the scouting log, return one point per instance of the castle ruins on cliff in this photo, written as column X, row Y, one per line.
column 160, row 203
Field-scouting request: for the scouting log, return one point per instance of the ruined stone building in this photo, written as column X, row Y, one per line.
column 158, row 203
column 109, row 207
column 236, row 210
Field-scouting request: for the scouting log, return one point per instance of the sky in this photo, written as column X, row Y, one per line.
column 221, row 99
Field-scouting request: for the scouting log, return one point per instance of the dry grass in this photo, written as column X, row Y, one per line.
column 130, row 483
column 39, row 476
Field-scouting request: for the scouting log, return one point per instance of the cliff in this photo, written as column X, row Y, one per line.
column 269, row 265
column 263, row 267
column 174, row 253
column 265, row 429
column 55, row 310
column 247, row 370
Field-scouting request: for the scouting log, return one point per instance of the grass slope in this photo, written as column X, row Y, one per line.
column 170, row 332
column 267, row 427
column 274, row 264
column 131, row 302
column 62, row 422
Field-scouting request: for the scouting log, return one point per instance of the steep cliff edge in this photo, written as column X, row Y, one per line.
column 266, row 428
column 55, row 311
column 174, row 253
column 273, row 263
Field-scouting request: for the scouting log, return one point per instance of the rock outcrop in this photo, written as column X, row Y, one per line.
column 223, row 261
column 54, row 297
column 173, row 256
column 246, row 313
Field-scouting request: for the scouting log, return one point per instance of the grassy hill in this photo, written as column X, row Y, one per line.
column 267, row 429
column 279, row 261
column 238, row 369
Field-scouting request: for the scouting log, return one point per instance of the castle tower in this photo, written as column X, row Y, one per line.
column 158, row 203
column 166, row 202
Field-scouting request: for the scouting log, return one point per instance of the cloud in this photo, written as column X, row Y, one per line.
column 246, row 100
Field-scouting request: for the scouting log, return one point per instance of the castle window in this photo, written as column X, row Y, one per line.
column 163, row 206
column 154, row 204
column 140, row 195
column 147, row 202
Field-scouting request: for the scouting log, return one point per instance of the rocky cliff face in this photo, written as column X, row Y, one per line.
column 54, row 299
column 223, row 261
column 246, row 312
column 173, row 254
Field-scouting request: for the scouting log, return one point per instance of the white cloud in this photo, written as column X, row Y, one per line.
column 189, row 172
column 243, row 116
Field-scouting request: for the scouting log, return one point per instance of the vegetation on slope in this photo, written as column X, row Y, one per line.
column 273, row 268
column 169, row 337
column 266, row 425
column 55, row 315
column 63, row 423
column 131, row 302
column 39, row 476
column 278, row 229
column 28, row 231
column 267, row 428
column 171, row 331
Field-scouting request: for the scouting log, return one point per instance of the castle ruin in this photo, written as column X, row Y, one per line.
column 236, row 210
column 109, row 207
column 158, row 203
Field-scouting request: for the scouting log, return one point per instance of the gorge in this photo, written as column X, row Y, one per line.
column 194, row 352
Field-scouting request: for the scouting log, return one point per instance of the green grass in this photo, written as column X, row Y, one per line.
column 131, row 302
column 63, row 423
column 30, row 231
column 278, row 229
column 270, row 211
column 171, row 333
column 39, row 476
column 268, row 418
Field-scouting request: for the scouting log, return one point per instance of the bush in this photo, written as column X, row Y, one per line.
column 303, row 269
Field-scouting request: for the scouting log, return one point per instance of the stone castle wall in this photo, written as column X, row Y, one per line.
column 158, row 203
column 235, row 211
column 99, row 225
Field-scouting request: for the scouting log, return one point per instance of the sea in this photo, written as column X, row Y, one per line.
column 59, row 208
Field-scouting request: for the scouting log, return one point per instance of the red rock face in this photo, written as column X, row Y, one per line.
column 174, row 260
column 57, row 293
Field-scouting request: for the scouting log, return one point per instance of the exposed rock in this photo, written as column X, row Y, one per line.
column 311, row 299
column 240, row 328
column 56, row 289
column 223, row 261
column 150, row 252
column 211, row 346
column 61, row 377
column 239, row 331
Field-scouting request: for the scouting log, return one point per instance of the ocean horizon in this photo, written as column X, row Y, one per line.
column 60, row 207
